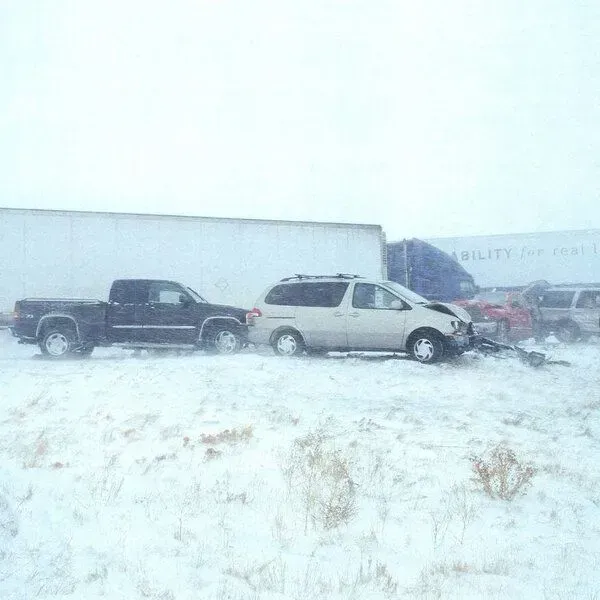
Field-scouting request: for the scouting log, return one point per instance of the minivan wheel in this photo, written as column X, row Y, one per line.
column 288, row 343
column 426, row 347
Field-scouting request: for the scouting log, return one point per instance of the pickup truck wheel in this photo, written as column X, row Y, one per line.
column 226, row 341
column 57, row 343
column 426, row 347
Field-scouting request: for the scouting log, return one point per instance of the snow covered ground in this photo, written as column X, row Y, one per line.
column 259, row 478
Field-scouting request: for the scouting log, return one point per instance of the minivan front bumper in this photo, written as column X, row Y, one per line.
column 457, row 344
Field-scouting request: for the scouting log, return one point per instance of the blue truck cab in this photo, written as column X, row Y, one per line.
column 428, row 271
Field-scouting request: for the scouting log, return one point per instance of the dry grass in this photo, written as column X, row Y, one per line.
column 321, row 477
column 502, row 474
column 228, row 436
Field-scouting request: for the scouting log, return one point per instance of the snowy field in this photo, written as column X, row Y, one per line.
column 259, row 478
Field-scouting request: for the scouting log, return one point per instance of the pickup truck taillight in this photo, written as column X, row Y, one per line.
column 255, row 312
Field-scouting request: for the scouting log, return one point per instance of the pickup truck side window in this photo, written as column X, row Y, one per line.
column 127, row 291
column 118, row 292
column 166, row 293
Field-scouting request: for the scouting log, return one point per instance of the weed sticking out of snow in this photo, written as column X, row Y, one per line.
column 501, row 474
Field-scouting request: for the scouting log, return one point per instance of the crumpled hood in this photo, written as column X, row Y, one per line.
column 450, row 309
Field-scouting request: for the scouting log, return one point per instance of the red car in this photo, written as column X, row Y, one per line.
column 500, row 314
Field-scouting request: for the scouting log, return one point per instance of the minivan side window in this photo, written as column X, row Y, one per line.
column 316, row 294
column 323, row 294
column 557, row 299
column 283, row 295
column 368, row 295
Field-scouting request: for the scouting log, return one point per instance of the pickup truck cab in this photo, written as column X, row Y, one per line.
column 140, row 313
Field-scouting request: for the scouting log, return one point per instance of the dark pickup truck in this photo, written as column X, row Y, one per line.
column 140, row 313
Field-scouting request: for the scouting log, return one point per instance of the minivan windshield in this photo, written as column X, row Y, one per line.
column 405, row 292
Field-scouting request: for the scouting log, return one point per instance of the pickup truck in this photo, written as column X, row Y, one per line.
column 139, row 314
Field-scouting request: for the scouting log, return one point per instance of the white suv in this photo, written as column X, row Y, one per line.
column 347, row 312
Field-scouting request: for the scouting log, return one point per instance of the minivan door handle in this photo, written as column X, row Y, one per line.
column 338, row 313
column 354, row 314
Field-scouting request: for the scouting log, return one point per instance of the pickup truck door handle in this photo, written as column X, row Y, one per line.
column 354, row 314
column 338, row 313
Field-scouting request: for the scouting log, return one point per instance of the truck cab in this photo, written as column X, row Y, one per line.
column 428, row 271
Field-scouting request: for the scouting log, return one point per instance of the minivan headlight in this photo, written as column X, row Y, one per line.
column 458, row 326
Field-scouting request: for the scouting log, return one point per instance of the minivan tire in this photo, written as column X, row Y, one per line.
column 288, row 343
column 426, row 347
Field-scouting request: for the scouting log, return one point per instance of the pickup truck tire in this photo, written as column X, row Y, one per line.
column 425, row 346
column 225, row 341
column 57, row 343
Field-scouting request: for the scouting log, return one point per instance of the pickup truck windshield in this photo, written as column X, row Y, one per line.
column 196, row 296
column 405, row 292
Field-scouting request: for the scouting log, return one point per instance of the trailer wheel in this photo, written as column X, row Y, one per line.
column 57, row 343
column 425, row 346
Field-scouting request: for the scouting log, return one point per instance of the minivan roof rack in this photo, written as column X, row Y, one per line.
column 336, row 276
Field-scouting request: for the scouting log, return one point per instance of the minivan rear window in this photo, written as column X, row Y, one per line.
column 322, row 294
column 557, row 299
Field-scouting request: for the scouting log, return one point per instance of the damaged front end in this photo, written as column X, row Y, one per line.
column 530, row 357
column 463, row 336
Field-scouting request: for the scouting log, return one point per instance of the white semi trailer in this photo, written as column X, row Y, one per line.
column 518, row 259
column 78, row 254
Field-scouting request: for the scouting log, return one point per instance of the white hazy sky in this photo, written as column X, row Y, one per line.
column 430, row 118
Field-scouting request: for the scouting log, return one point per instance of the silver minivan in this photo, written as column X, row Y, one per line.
column 317, row 314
